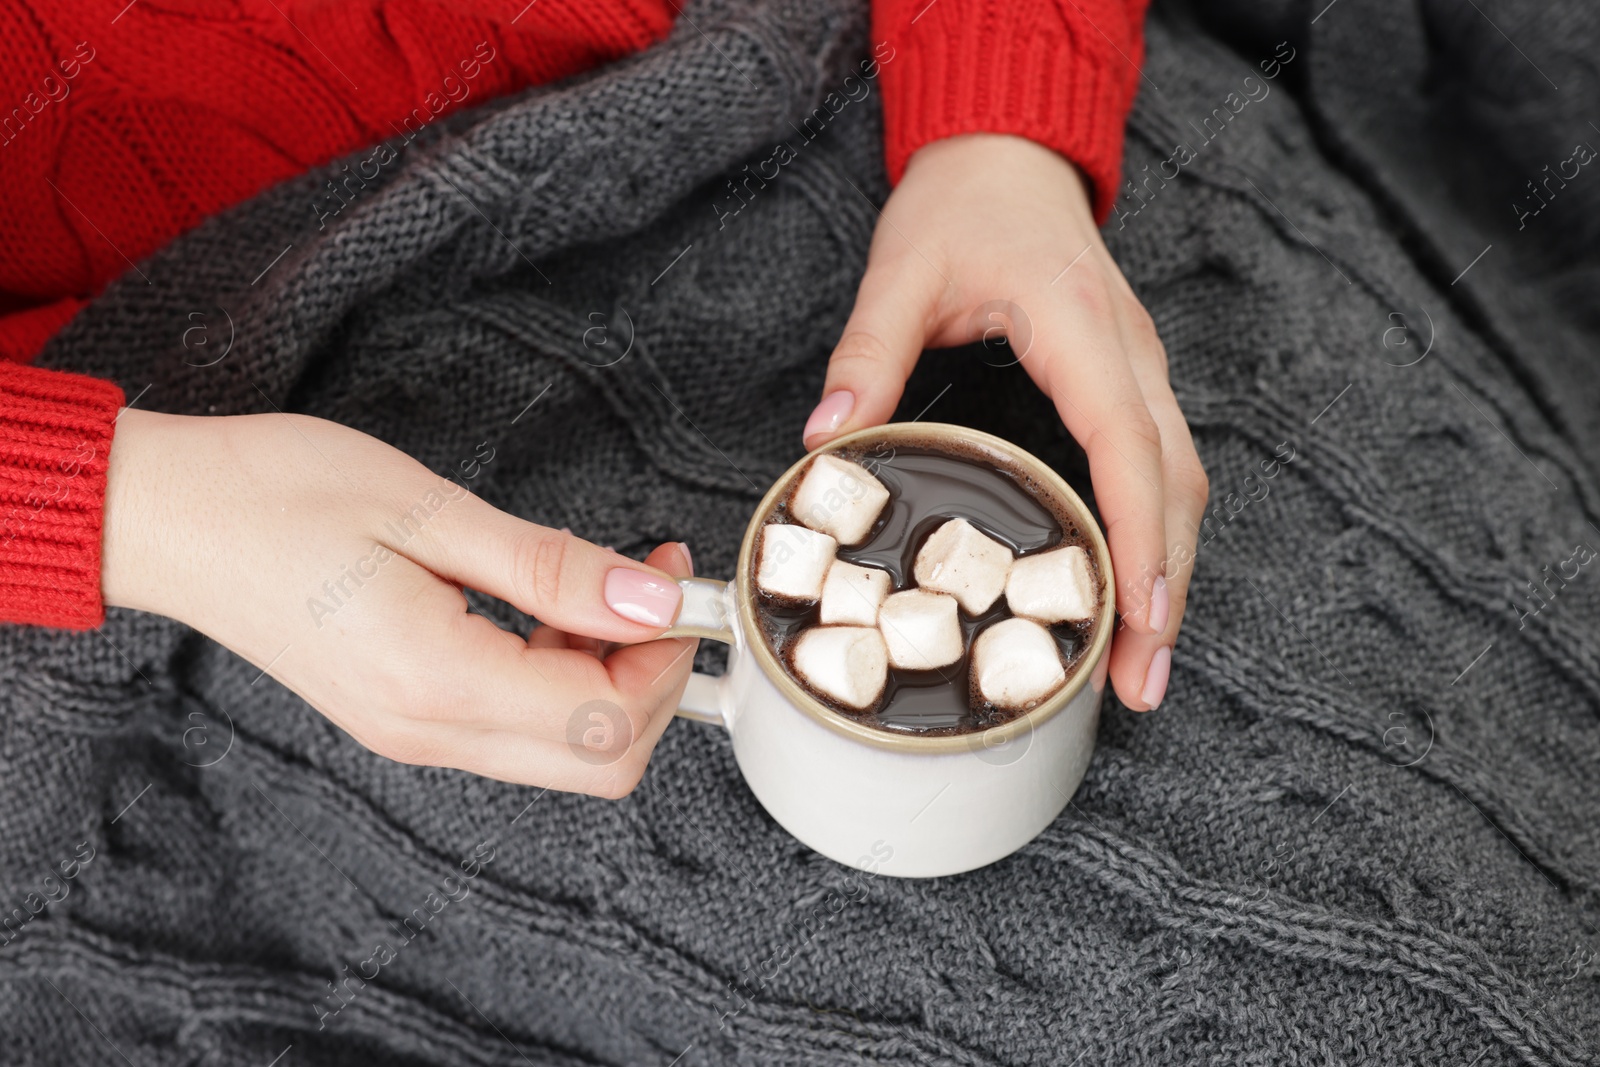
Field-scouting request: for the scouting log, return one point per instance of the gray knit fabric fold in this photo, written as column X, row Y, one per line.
column 1362, row 829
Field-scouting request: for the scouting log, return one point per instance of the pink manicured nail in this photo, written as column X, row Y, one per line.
column 1160, row 605
column 1155, row 682
column 830, row 414
column 688, row 557
column 641, row 597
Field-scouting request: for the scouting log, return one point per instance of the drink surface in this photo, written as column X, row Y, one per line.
column 928, row 486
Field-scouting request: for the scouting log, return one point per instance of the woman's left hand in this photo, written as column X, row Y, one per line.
column 991, row 230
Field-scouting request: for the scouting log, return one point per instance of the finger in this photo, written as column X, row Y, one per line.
column 447, row 666
column 656, row 666
column 464, row 671
column 1140, row 663
column 630, row 665
column 580, row 765
column 557, row 578
column 1087, row 373
column 601, row 754
column 893, row 317
column 607, row 748
column 457, row 678
column 672, row 557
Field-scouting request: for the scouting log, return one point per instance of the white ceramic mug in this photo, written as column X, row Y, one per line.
column 894, row 803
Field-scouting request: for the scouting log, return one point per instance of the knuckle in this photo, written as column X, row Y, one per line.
column 1192, row 480
column 1088, row 293
column 1178, row 590
column 1159, row 350
column 1130, row 425
column 861, row 350
column 1185, row 473
column 540, row 558
column 1145, row 335
column 413, row 507
column 1139, row 320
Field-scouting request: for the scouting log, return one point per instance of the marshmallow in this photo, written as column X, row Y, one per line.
column 1053, row 586
column 794, row 561
column 920, row 630
column 962, row 560
column 1016, row 664
column 839, row 498
column 851, row 595
column 844, row 663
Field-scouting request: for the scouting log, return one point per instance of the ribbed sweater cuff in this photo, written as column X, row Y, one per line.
column 55, row 443
column 1068, row 90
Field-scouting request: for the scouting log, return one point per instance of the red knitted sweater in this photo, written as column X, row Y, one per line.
column 123, row 126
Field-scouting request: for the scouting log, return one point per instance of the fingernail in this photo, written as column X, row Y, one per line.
column 1160, row 605
column 641, row 597
column 1155, row 681
column 688, row 557
column 830, row 414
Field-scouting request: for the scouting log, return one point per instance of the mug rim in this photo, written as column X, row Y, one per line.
column 909, row 743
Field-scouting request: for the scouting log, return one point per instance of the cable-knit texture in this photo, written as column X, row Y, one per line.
column 1364, row 827
column 116, row 136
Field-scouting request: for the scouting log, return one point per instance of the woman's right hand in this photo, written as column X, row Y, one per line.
column 335, row 563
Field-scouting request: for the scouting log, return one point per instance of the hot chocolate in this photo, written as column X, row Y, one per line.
column 925, row 587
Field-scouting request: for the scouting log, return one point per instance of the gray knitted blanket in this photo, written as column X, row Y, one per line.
column 1365, row 826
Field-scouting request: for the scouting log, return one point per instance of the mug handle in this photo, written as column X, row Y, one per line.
column 703, row 614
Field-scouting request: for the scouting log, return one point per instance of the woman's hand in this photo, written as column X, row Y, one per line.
column 989, row 230
column 336, row 564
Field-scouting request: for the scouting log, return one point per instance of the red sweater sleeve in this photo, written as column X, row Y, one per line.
column 55, row 440
column 1060, row 72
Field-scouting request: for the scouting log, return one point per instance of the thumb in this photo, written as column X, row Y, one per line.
column 892, row 319
column 561, row 580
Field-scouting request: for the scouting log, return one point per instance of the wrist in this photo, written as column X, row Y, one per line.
column 146, row 513
column 1011, row 162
